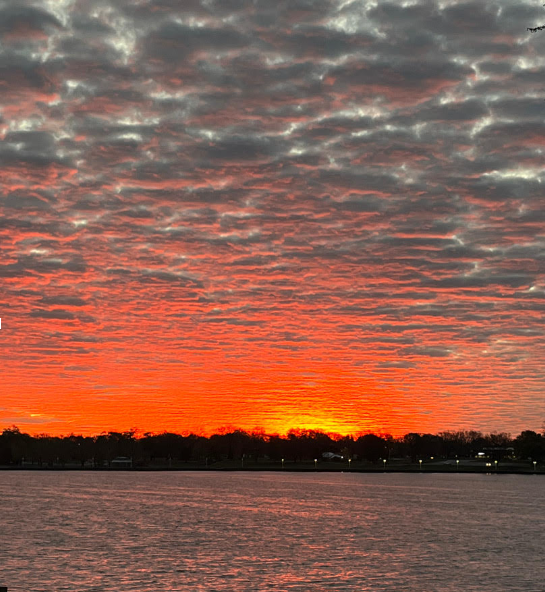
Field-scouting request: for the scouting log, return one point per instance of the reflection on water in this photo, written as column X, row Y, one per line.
column 271, row 531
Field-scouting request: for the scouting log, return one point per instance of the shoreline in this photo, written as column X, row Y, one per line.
column 264, row 469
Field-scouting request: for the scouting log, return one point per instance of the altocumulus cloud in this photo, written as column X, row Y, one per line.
column 202, row 190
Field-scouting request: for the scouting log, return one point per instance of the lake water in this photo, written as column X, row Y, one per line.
column 153, row 532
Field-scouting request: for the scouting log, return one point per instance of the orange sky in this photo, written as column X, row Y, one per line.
column 153, row 387
column 323, row 215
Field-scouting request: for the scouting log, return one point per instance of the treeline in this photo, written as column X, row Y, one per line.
column 18, row 448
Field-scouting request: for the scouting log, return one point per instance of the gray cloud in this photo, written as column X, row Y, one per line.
column 363, row 180
column 56, row 313
column 63, row 300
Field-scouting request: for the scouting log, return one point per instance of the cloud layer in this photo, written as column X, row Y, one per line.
column 295, row 213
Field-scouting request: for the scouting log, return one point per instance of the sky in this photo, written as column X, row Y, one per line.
column 323, row 214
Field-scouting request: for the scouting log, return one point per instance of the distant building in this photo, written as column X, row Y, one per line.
column 497, row 452
column 121, row 462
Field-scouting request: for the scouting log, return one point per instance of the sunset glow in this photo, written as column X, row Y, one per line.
column 272, row 215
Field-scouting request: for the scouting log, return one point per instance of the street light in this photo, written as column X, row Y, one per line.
column 495, row 465
column 282, row 463
column 384, row 463
column 349, row 463
column 315, row 463
column 535, row 464
column 457, row 463
column 420, row 461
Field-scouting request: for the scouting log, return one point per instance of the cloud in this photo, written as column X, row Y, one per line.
column 225, row 194
column 63, row 300
column 56, row 313
column 26, row 20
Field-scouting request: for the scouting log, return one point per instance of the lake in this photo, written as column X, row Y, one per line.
column 207, row 531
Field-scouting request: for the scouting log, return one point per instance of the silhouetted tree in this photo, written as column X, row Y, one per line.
column 17, row 445
column 232, row 443
column 276, row 448
column 530, row 445
column 371, row 447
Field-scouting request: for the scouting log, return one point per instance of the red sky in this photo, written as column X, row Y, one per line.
column 288, row 214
